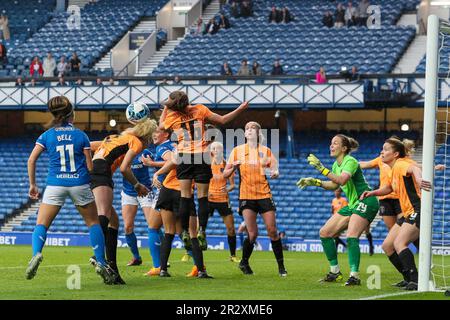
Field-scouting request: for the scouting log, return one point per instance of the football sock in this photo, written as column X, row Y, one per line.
column 278, row 251
column 111, row 247
column 166, row 247
column 97, row 243
column 38, row 238
column 154, row 244
column 354, row 254
column 329, row 247
column 247, row 250
column 395, row 260
column 132, row 244
column 185, row 207
column 203, row 212
column 197, row 254
column 370, row 239
column 409, row 265
column 232, row 244
column 241, row 238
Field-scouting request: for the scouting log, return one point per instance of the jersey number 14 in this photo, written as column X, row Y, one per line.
column 62, row 153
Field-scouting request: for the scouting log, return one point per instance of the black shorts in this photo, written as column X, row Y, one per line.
column 101, row 174
column 390, row 207
column 196, row 166
column 413, row 219
column 259, row 206
column 169, row 200
column 224, row 208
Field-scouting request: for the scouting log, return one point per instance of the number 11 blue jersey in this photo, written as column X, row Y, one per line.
column 67, row 164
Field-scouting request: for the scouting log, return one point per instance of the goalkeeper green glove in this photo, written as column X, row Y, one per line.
column 305, row 182
column 315, row 162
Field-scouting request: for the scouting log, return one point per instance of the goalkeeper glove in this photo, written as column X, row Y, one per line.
column 315, row 162
column 305, row 182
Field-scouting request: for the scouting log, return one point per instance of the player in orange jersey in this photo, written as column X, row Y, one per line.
column 117, row 151
column 406, row 181
column 218, row 196
column 251, row 160
column 194, row 164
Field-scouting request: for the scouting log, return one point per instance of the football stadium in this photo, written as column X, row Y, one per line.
column 224, row 150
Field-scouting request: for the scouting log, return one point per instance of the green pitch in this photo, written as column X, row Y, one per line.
column 304, row 271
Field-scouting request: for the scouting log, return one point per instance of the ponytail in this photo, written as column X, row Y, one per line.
column 350, row 143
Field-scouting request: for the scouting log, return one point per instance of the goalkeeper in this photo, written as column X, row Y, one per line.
column 355, row 217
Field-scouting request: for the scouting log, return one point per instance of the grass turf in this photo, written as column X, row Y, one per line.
column 304, row 271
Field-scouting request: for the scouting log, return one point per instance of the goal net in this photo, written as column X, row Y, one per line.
column 434, row 256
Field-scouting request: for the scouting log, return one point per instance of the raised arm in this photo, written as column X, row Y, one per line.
column 221, row 120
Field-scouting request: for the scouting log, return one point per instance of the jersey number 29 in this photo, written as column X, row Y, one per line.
column 69, row 149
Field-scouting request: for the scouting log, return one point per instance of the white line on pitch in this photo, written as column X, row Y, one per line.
column 389, row 295
column 45, row 266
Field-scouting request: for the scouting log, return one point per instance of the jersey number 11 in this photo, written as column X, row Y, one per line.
column 69, row 148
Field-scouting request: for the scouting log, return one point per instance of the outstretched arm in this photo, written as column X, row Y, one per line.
column 221, row 120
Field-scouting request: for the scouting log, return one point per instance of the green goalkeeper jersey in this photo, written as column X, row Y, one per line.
column 357, row 183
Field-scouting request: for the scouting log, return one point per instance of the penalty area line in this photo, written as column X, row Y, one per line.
column 389, row 295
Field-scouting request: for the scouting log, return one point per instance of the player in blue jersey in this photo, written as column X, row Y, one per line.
column 164, row 148
column 68, row 176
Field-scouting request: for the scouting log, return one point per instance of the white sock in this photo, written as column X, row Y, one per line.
column 335, row 269
column 354, row 274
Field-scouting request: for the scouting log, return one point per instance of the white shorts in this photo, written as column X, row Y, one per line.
column 56, row 195
column 145, row 202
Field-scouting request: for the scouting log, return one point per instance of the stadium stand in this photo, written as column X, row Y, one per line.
column 103, row 23
column 302, row 45
column 299, row 213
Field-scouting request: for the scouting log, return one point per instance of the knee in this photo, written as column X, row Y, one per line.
column 399, row 245
column 230, row 231
column 325, row 233
column 272, row 233
column 388, row 247
column 252, row 236
column 129, row 228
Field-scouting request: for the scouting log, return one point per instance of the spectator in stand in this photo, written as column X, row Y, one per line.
column 49, row 65
column 3, row 55
column 224, row 23
column 350, row 15
column 164, row 82
column 244, row 69
column 327, row 19
column 111, row 82
column 32, row 82
column 177, row 81
column 274, row 15
column 36, row 69
column 61, row 82
column 321, row 77
column 62, row 67
column 4, row 28
column 75, row 64
column 339, row 16
column 225, row 70
column 246, row 9
column 212, row 27
column 78, row 83
column 200, row 29
column 256, row 69
column 234, row 10
column 99, row 82
column 277, row 68
column 354, row 75
column 362, row 12
column 285, row 15
column 19, row 82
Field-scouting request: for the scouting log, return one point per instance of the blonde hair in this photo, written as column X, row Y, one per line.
column 258, row 126
column 143, row 130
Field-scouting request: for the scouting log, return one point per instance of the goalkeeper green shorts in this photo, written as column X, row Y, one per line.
column 367, row 208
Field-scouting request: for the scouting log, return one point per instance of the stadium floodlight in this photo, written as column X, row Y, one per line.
column 277, row 114
column 404, row 127
column 112, row 123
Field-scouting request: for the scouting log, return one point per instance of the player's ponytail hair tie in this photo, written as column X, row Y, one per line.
column 349, row 142
column 61, row 109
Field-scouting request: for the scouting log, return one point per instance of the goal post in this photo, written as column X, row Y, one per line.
column 429, row 140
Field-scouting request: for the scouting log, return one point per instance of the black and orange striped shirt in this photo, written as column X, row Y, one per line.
column 218, row 184
column 253, row 184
